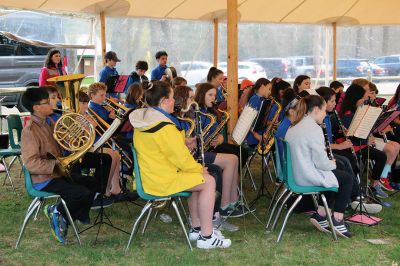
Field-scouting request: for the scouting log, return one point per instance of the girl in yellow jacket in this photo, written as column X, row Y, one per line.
column 167, row 166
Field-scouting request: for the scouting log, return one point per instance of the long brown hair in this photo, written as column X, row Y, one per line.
column 48, row 62
column 200, row 94
column 134, row 93
column 306, row 105
column 183, row 92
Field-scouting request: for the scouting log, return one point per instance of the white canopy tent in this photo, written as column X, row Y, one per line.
column 331, row 12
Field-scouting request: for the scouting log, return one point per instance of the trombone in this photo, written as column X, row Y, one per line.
column 100, row 128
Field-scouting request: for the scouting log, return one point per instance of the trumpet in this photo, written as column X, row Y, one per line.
column 101, row 127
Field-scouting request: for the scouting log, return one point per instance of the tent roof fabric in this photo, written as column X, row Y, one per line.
column 343, row 12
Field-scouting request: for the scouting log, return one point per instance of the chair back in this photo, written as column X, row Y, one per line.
column 29, row 187
column 14, row 128
column 278, row 162
column 288, row 170
column 138, row 179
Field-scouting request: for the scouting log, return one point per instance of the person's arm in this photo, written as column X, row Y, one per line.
column 153, row 74
column 174, row 149
column 30, row 153
column 44, row 75
column 318, row 152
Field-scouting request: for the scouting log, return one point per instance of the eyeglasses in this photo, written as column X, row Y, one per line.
column 47, row 102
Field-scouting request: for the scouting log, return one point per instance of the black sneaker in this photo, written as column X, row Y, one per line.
column 98, row 201
column 340, row 228
column 320, row 222
column 225, row 212
column 240, row 211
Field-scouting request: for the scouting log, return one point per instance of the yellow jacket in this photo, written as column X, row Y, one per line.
column 166, row 165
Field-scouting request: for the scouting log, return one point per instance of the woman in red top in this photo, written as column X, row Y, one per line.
column 52, row 68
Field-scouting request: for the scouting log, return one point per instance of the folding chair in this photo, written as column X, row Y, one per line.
column 152, row 204
column 39, row 198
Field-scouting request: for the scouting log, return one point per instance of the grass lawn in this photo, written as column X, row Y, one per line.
column 164, row 244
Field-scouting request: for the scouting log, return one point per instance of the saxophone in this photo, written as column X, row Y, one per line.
column 207, row 142
column 191, row 123
column 268, row 136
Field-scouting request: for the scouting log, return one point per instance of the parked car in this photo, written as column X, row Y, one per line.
column 195, row 71
column 391, row 63
column 351, row 67
column 274, row 66
column 20, row 63
column 375, row 69
column 304, row 65
column 246, row 70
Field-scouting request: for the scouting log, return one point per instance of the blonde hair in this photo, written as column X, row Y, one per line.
column 94, row 88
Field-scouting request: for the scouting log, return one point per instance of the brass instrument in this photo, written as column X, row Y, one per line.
column 119, row 109
column 69, row 92
column 268, row 138
column 74, row 133
column 191, row 123
column 102, row 127
column 221, row 125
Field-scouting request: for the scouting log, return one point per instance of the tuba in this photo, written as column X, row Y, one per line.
column 225, row 117
column 268, row 138
column 72, row 131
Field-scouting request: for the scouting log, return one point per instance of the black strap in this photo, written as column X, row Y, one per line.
column 158, row 127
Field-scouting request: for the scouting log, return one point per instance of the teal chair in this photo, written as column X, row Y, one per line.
column 300, row 191
column 39, row 198
column 153, row 202
column 14, row 127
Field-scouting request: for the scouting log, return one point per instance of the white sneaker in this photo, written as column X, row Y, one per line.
column 366, row 207
column 194, row 234
column 213, row 242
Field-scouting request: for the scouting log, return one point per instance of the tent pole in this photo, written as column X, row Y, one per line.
column 215, row 42
column 334, row 70
column 103, row 35
column 232, row 64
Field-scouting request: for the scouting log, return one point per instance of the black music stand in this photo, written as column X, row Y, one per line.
column 102, row 217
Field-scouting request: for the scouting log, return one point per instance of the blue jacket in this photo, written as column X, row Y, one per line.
column 255, row 102
column 104, row 74
column 158, row 72
column 134, row 78
column 280, row 134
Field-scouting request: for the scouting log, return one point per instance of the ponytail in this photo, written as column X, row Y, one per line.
column 306, row 106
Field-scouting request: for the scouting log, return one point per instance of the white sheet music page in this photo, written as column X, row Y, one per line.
column 244, row 123
column 358, row 116
column 366, row 118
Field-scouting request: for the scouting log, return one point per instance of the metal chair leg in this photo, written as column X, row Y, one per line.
column 287, row 217
column 271, row 215
column 247, row 170
column 42, row 201
column 278, row 215
column 274, row 203
column 137, row 222
column 329, row 216
column 31, row 209
column 71, row 222
column 3, row 161
column 314, row 197
column 31, row 205
column 184, row 212
column 181, row 223
column 148, row 218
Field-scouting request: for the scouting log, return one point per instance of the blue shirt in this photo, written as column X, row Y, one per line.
column 54, row 117
column 100, row 111
column 158, row 72
column 41, row 185
column 104, row 74
column 220, row 95
column 327, row 121
column 280, row 134
column 255, row 102
column 131, row 105
column 134, row 78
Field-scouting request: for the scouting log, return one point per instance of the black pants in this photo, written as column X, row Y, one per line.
column 216, row 172
column 77, row 192
column 343, row 163
column 101, row 162
column 232, row 149
column 379, row 158
column 339, row 200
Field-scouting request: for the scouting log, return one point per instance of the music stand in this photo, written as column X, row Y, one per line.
column 116, row 83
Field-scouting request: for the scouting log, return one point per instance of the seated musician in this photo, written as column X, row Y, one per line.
column 311, row 165
column 384, row 154
column 97, row 93
column 134, row 96
column 54, row 102
column 179, row 81
column 215, row 77
column 228, row 163
column 166, row 165
column 113, row 189
column 39, row 150
column 137, row 76
column 205, row 96
column 259, row 92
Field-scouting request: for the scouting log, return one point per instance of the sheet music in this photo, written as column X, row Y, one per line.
column 363, row 121
column 244, row 123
